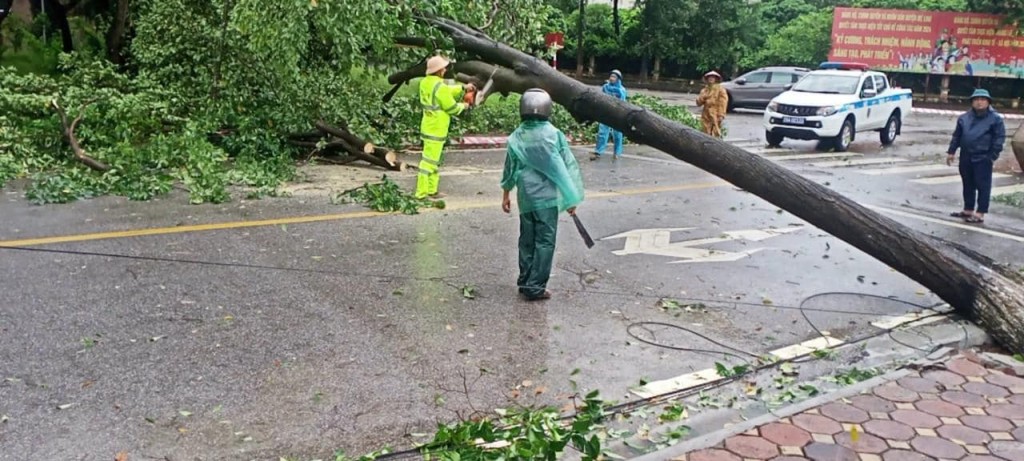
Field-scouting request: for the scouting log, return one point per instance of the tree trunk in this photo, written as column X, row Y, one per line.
column 643, row 67
column 116, row 33
column 591, row 68
column 975, row 286
column 579, row 39
column 57, row 12
column 1017, row 145
column 657, row 68
column 5, row 11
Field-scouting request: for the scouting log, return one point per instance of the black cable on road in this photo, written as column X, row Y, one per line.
column 611, row 410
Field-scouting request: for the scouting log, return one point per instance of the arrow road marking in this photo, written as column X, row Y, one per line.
column 658, row 242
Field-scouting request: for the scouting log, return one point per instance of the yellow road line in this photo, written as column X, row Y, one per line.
column 452, row 206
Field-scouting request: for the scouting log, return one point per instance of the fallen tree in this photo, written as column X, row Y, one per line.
column 979, row 289
column 339, row 145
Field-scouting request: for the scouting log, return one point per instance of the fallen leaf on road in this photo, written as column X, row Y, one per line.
column 65, row 406
column 156, row 338
column 4, row 418
column 540, row 390
column 122, row 456
column 185, row 413
column 448, row 327
column 527, row 383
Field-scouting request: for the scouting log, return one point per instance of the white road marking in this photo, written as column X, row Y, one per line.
column 950, row 179
column 1008, row 189
column 913, row 318
column 906, row 169
column 957, row 225
column 768, row 150
column 697, row 378
column 658, row 242
column 703, row 376
column 858, row 162
column 782, row 158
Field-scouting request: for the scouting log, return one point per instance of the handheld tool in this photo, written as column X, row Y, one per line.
column 583, row 231
column 481, row 95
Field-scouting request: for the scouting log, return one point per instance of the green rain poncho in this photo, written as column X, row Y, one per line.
column 541, row 167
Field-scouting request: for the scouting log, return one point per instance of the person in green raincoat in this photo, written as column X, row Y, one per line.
column 542, row 169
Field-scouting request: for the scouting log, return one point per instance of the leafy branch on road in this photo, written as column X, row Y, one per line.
column 1015, row 199
column 386, row 197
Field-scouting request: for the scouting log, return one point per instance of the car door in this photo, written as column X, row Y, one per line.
column 777, row 83
column 751, row 91
column 882, row 109
column 863, row 108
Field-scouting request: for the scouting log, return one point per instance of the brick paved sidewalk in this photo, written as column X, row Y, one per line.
column 963, row 412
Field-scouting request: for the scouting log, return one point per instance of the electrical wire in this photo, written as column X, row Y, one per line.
column 621, row 408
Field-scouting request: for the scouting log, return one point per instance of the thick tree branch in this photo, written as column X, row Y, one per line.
column 69, row 134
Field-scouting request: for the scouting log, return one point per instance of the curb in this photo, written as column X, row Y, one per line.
column 719, row 436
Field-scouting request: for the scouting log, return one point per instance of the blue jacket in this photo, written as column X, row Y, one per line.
column 615, row 90
column 980, row 138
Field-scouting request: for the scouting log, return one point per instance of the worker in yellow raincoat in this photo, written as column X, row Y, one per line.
column 715, row 102
column 440, row 101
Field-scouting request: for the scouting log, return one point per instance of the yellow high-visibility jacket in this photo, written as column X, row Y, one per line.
column 440, row 102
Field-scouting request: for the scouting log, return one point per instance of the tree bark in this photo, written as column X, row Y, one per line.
column 591, row 68
column 657, row 68
column 579, row 39
column 5, row 11
column 979, row 289
column 116, row 33
column 346, row 145
column 57, row 12
column 69, row 134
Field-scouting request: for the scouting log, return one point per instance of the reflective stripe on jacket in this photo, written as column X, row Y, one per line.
column 439, row 102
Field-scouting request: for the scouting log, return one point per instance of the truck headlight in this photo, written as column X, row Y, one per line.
column 773, row 106
column 826, row 111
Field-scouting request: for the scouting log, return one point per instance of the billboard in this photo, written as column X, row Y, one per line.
column 928, row 41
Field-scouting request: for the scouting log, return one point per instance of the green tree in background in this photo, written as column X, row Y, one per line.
column 803, row 41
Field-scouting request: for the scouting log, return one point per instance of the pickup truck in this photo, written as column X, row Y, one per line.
column 835, row 103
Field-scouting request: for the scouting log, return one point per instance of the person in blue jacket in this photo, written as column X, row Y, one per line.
column 980, row 134
column 612, row 87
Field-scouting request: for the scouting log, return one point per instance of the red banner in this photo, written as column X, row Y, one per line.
column 928, row 41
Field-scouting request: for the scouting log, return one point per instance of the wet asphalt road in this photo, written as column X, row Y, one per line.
column 354, row 332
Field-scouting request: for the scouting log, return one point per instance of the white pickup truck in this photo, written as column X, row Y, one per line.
column 835, row 103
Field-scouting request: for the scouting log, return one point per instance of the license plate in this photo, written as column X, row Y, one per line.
column 793, row 120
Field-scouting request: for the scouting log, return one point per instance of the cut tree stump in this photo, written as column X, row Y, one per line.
column 343, row 147
column 977, row 287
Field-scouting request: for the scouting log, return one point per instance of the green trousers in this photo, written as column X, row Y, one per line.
column 537, row 231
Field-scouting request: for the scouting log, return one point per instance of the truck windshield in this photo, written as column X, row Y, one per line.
column 834, row 84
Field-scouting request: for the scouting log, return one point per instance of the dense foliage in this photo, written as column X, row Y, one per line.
column 728, row 35
column 206, row 91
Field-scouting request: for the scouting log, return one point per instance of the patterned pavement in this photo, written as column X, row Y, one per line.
column 963, row 411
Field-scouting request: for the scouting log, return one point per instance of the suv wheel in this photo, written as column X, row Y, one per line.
column 845, row 138
column 773, row 139
column 888, row 134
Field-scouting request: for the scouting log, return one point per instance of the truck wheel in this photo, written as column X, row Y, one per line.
column 842, row 142
column 773, row 139
column 888, row 134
